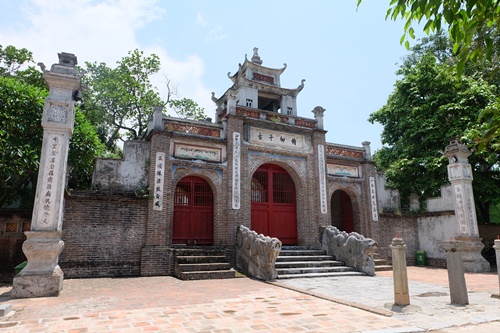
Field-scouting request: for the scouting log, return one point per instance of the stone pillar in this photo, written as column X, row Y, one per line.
column 456, row 277
column 368, row 152
column 400, row 274
column 231, row 103
column 414, row 202
column 497, row 252
column 460, row 176
column 318, row 116
column 42, row 276
column 158, row 118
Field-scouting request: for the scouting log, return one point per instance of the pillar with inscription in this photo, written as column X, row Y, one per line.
column 460, row 176
column 42, row 276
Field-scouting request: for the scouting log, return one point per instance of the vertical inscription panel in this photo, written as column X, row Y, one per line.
column 322, row 178
column 373, row 199
column 48, row 200
column 236, row 185
column 159, row 181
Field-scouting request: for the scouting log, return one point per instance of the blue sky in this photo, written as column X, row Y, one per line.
column 348, row 57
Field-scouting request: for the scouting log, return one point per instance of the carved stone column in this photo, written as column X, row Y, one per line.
column 456, row 277
column 42, row 276
column 460, row 176
column 400, row 273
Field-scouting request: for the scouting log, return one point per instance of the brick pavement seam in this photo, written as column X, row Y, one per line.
column 359, row 306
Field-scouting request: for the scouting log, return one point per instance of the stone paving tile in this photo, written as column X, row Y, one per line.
column 259, row 308
column 430, row 302
column 165, row 304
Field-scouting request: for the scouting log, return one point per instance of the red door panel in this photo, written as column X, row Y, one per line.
column 347, row 213
column 274, row 210
column 193, row 212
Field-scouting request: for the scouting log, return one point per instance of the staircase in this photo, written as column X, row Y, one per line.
column 299, row 262
column 381, row 264
column 202, row 264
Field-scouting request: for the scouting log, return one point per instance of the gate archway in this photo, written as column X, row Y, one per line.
column 193, row 212
column 342, row 211
column 274, row 208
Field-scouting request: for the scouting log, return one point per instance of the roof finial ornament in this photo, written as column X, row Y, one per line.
column 255, row 58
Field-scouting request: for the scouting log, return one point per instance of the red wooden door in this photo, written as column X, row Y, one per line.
column 347, row 213
column 274, row 209
column 193, row 212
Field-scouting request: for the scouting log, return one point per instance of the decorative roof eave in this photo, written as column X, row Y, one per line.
column 283, row 91
column 223, row 97
column 257, row 67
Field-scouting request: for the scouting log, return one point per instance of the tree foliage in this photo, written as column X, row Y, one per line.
column 429, row 106
column 187, row 108
column 21, row 106
column 469, row 23
column 121, row 99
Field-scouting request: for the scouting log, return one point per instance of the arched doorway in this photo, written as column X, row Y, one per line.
column 274, row 208
column 193, row 212
column 342, row 212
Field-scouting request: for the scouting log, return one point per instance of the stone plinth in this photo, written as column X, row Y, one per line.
column 472, row 259
column 42, row 276
column 400, row 274
column 456, row 276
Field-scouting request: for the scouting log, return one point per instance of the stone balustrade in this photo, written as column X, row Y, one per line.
column 256, row 254
column 352, row 248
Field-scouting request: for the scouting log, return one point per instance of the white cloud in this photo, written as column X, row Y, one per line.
column 201, row 20
column 102, row 31
column 185, row 76
column 216, row 34
column 94, row 31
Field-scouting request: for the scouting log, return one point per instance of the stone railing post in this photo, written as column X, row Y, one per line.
column 42, row 276
column 456, row 276
column 497, row 252
column 400, row 274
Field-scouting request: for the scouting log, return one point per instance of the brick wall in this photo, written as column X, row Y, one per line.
column 103, row 235
column 405, row 227
column 12, row 225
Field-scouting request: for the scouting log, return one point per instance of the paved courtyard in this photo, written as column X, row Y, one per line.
column 347, row 304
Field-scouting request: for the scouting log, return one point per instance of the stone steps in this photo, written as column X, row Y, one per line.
column 202, row 264
column 381, row 265
column 302, row 263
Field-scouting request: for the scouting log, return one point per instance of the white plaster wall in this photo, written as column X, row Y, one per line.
column 386, row 197
column 444, row 202
column 433, row 230
column 288, row 101
column 245, row 93
column 129, row 174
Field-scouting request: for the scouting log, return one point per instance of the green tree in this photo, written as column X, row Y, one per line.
column 121, row 100
column 19, row 63
column 430, row 105
column 187, row 108
column 21, row 106
column 470, row 24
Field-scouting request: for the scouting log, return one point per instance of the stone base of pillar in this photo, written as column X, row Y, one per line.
column 27, row 286
column 42, row 276
column 471, row 255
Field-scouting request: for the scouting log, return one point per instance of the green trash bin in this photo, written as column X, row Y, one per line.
column 421, row 257
column 20, row 267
